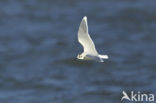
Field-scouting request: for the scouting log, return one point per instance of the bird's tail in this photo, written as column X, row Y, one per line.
column 104, row 56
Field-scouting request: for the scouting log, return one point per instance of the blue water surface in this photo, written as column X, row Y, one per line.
column 38, row 49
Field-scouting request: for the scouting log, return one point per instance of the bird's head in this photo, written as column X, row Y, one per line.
column 80, row 56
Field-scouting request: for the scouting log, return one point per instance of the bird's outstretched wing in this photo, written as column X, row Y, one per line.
column 85, row 39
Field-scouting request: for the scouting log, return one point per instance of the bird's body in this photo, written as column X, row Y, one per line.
column 90, row 52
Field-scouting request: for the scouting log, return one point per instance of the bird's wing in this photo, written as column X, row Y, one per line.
column 85, row 39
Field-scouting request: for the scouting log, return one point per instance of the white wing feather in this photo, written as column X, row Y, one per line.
column 85, row 39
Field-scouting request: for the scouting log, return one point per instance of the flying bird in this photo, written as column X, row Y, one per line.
column 89, row 50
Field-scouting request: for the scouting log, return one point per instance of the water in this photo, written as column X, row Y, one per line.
column 38, row 49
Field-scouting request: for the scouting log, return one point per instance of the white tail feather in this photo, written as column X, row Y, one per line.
column 103, row 56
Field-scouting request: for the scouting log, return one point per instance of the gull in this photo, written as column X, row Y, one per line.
column 89, row 50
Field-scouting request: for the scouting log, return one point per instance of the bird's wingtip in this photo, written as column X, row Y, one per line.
column 85, row 17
